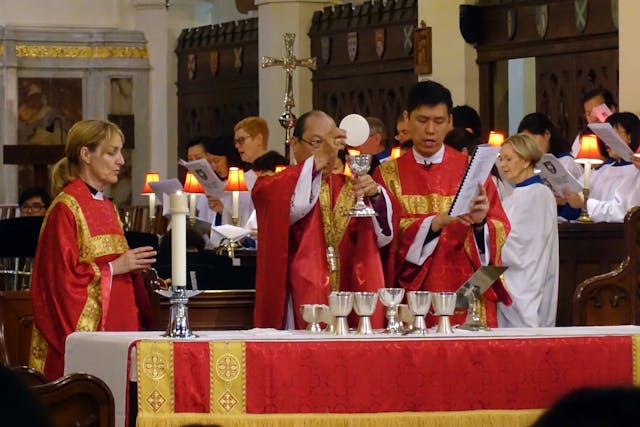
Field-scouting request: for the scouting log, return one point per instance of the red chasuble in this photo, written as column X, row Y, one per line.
column 292, row 260
column 417, row 193
column 72, row 287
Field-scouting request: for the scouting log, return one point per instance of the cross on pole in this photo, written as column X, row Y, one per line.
column 289, row 63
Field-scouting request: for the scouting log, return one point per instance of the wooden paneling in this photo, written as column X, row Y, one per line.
column 374, row 81
column 16, row 313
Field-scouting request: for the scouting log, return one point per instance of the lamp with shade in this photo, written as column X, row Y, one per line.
column 588, row 155
column 496, row 138
column 235, row 184
column 192, row 187
column 148, row 178
column 396, row 152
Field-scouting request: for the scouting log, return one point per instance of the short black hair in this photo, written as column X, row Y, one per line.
column 35, row 192
column 460, row 138
column 223, row 146
column 429, row 93
column 196, row 140
column 268, row 161
column 465, row 116
column 301, row 122
column 606, row 94
column 630, row 123
column 537, row 124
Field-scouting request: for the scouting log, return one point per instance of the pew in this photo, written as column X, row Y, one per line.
column 612, row 298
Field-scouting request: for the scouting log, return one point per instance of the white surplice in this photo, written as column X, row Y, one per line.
column 614, row 189
column 531, row 253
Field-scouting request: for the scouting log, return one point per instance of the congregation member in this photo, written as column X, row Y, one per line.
column 84, row 272
column 251, row 138
column 531, row 249
column 34, row 201
column 613, row 187
column 541, row 129
column 594, row 98
column 462, row 140
column 402, row 133
column 434, row 251
column 196, row 150
column 467, row 117
column 376, row 144
column 315, row 248
column 269, row 162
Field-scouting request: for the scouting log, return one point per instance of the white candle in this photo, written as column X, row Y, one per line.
column 587, row 170
column 178, row 206
column 234, row 213
column 152, row 205
column 192, row 205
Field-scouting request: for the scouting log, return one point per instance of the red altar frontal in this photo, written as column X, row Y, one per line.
column 290, row 378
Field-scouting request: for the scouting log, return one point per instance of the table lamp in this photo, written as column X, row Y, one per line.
column 396, row 152
column 192, row 187
column 235, row 183
column 151, row 177
column 588, row 155
column 496, row 138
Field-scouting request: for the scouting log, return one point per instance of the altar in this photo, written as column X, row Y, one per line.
column 494, row 378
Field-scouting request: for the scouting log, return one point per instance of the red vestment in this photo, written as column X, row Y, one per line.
column 417, row 193
column 292, row 260
column 72, row 287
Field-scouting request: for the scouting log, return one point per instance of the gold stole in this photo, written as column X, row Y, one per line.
column 334, row 224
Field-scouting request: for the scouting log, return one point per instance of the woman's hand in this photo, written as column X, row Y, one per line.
column 136, row 259
column 215, row 204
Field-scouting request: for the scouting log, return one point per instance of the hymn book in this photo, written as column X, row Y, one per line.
column 557, row 176
column 212, row 185
column 609, row 136
column 477, row 172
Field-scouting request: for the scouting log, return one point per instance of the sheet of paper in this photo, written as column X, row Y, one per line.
column 230, row 231
column 201, row 169
column 609, row 136
column 601, row 112
column 477, row 173
column 166, row 186
column 557, row 176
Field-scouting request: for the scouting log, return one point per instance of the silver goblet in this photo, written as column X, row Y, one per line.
column 391, row 297
column 328, row 318
column 406, row 318
column 364, row 304
column 444, row 304
column 340, row 305
column 359, row 165
column 312, row 314
column 419, row 303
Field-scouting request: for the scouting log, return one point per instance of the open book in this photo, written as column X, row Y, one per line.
column 609, row 136
column 557, row 176
column 477, row 172
column 212, row 185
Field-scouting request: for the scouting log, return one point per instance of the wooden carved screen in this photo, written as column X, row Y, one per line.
column 365, row 59
column 217, row 78
column 575, row 45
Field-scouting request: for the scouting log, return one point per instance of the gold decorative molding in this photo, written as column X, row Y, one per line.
column 44, row 51
column 1, row 49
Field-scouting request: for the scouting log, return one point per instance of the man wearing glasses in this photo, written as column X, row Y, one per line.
column 308, row 246
column 34, row 202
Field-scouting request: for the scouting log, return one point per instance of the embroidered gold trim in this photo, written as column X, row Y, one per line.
column 335, row 221
column 46, row 51
column 501, row 237
column 156, row 393
column 635, row 349
column 228, row 377
column 1, row 50
column 38, row 351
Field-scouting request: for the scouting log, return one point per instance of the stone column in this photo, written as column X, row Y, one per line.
column 276, row 17
column 453, row 60
column 628, row 60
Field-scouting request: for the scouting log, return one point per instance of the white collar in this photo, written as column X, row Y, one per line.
column 435, row 158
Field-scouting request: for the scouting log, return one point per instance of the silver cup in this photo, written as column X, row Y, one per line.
column 444, row 304
column 340, row 305
column 391, row 297
column 312, row 314
column 364, row 304
column 328, row 318
column 359, row 165
column 419, row 303
column 406, row 317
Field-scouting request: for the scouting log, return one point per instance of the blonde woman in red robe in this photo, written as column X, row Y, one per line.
column 82, row 276
column 307, row 246
column 433, row 251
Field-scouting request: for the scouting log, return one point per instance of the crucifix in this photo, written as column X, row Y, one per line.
column 289, row 62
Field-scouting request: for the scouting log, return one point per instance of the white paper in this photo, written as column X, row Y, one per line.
column 201, row 169
column 166, row 186
column 231, row 232
column 557, row 176
column 477, row 173
column 601, row 112
column 609, row 136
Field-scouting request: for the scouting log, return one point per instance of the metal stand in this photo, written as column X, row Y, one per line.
column 178, row 320
column 473, row 322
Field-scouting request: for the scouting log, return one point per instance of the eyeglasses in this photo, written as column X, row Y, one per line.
column 314, row 143
column 32, row 208
column 241, row 140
